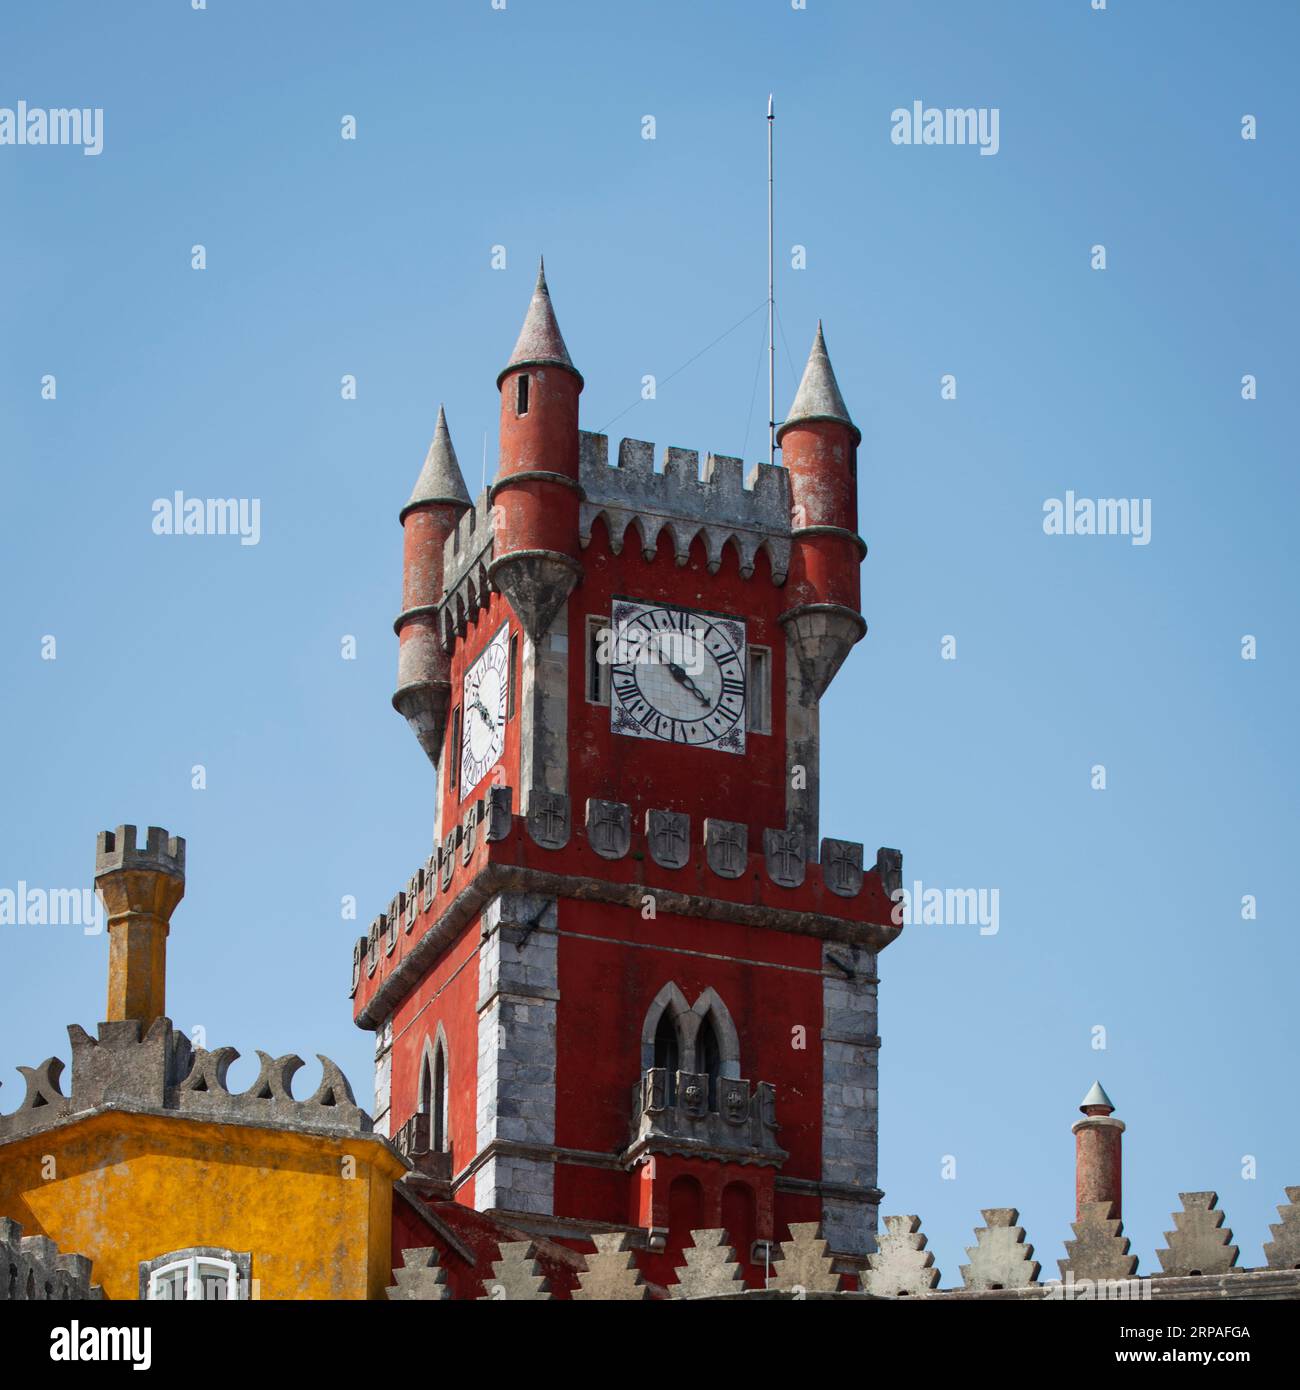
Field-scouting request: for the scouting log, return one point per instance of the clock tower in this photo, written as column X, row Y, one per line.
column 633, row 988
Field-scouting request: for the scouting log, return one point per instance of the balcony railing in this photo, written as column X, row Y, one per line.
column 412, row 1142
column 674, row 1112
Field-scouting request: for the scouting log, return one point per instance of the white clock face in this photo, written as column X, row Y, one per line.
column 678, row 676
column 483, row 712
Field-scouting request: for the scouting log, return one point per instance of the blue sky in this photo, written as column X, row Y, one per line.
column 1118, row 908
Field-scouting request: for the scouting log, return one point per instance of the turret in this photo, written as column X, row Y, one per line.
column 819, row 446
column 536, row 495
column 437, row 502
column 140, row 886
column 1098, row 1154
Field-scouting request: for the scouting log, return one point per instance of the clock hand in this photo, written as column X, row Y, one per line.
column 687, row 683
column 487, row 716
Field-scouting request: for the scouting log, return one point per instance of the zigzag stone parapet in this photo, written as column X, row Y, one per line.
column 1283, row 1251
column 1199, row 1242
column 711, row 1268
column 902, row 1265
column 420, row 1279
column 611, row 1273
column 516, row 1275
column 804, row 1264
column 1000, row 1258
column 1099, row 1249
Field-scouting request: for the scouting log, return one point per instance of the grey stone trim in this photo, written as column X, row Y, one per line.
column 850, row 1093
column 785, row 853
column 544, row 711
column 533, row 475
column 496, row 878
column 668, row 838
column 518, row 992
column 802, row 749
column 722, row 507
column 726, row 847
column 609, row 828
column 841, row 862
column 852, row 536
column 831, row 1191
column 33, row 1269
column 160, row 1071
column 468, row 547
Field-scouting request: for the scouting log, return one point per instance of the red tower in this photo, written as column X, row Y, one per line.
column 633, row 989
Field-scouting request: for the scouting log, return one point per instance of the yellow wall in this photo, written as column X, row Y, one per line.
column 126, row 1188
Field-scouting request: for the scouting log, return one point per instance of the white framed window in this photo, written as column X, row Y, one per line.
column 200, row 1274
column 597, row 669
column 758, row 712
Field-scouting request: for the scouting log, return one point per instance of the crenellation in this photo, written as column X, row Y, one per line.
column 118, row 849
column 717, row 507
column 466, row 542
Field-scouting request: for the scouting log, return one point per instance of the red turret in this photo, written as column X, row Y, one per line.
column 535, row 498
column 438, row 500
column 819, row 445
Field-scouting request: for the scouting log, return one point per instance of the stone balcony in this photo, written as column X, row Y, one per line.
column 672, row 1114
column 412, row 1142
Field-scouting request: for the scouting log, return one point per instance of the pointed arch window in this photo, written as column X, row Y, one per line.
column 668, row 1051
column 433, row 1093
column 708, row 1056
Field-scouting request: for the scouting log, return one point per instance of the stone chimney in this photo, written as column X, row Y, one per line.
column 1097, row 1154
column 140, row 887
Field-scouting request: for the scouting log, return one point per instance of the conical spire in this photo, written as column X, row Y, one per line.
column 818, row 396
column 440, row 479
column 541, row 344
column 1096, row 1097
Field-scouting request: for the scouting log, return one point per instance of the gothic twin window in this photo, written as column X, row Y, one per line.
column 699, row 1039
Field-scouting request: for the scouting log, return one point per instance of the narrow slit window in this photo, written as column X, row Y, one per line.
column 512, row 678
column 521, row 394
column 453, row 772
column 758, row 712
column 598, row 661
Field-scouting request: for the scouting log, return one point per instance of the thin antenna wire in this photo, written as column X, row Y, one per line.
column 771, row 299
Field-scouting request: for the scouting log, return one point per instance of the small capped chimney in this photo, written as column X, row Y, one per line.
column 140, row 886
column 1097, row 1153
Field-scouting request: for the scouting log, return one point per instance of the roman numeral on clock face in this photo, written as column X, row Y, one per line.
column 680, row 678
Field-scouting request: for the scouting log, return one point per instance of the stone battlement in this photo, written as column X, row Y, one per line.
column 158, row 1070
column 466, row 542
column 117, row 849
column 717, row 506
column 34, row 1270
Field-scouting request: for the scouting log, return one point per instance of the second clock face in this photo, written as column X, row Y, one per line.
column 483, row 712
column 677, row 675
